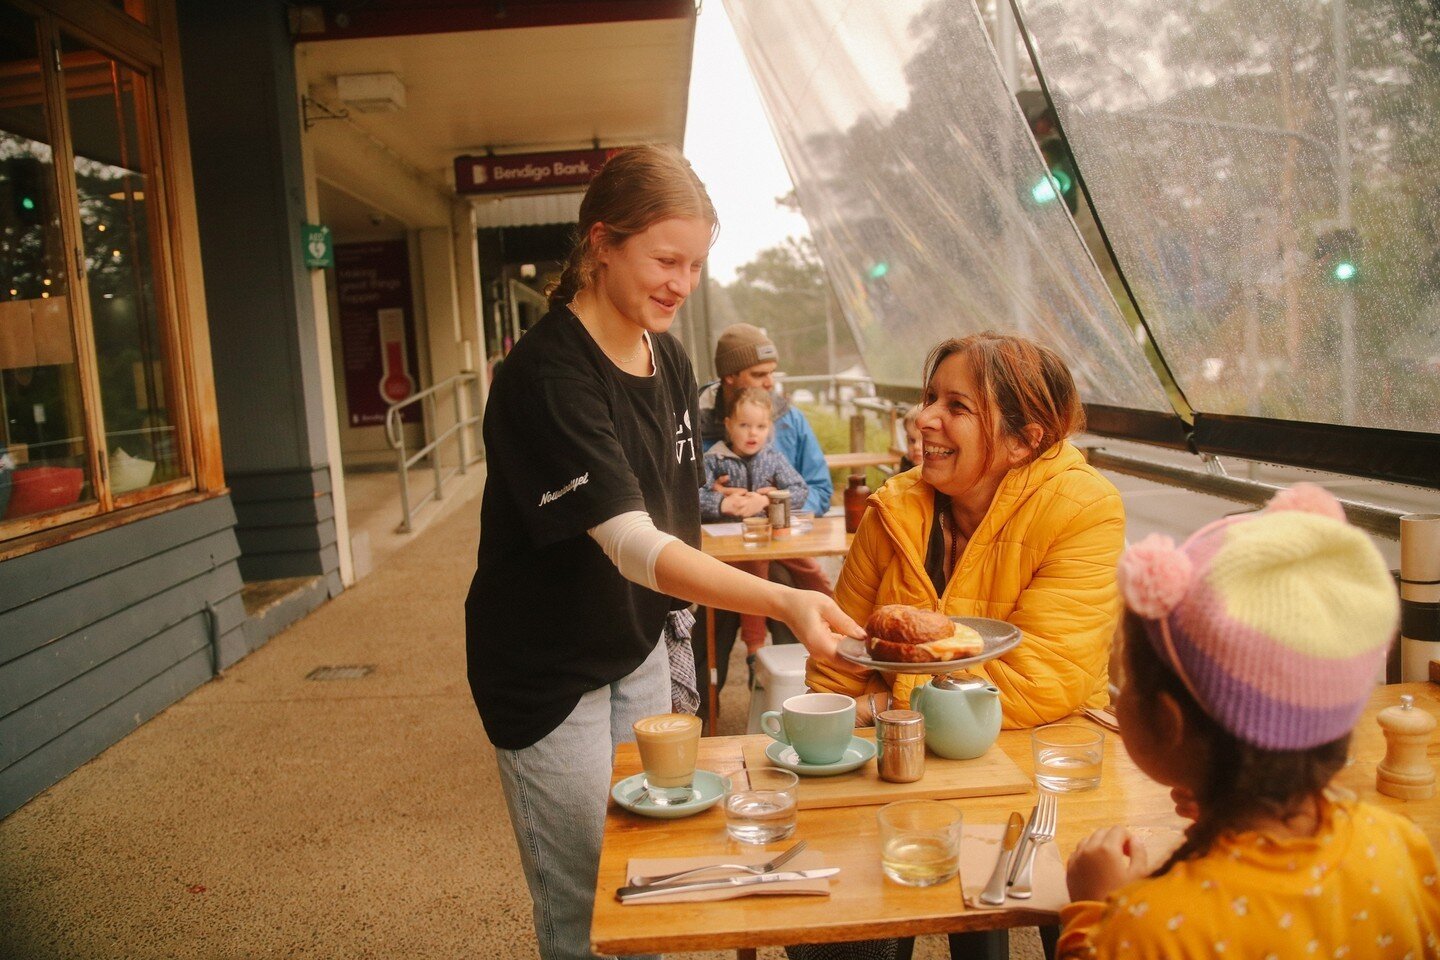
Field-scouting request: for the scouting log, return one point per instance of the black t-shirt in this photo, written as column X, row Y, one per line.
column 571, row 441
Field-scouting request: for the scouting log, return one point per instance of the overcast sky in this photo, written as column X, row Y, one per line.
column 729, row 143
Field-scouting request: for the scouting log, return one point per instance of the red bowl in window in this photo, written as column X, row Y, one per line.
column 39, row 489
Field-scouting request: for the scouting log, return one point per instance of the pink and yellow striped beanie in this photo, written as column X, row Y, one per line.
column 1277, row 622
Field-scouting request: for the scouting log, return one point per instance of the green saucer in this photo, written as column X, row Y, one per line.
column 630, row 794
column 857, row 754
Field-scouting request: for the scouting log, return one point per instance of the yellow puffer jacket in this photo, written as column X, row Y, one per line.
column 1043, row 558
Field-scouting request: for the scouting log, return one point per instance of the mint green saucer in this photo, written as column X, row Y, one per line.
column 857, row 754
column 630, row 794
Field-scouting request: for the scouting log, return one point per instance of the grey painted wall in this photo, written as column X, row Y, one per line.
column 286, row 525
column 243, row 113
column 99, row 634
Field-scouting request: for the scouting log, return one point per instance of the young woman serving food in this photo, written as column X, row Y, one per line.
column 589, row 528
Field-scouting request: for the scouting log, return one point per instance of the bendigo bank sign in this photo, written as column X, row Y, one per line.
column 529, row 171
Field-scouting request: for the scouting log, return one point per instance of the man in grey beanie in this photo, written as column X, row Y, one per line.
column 746, row 357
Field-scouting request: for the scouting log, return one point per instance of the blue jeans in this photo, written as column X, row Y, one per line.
column 556, row 791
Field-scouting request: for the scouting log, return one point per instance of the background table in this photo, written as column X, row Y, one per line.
column 862, row 903
column 825, row 538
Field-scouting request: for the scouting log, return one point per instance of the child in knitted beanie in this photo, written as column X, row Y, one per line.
column 1252, row 649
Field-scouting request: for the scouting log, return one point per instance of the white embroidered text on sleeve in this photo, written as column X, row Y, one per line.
column 550, row 496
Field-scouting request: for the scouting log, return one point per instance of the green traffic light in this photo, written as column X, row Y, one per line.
column 1344, row 270
column 27, row 202
column 879, row 269
column 1055, row 184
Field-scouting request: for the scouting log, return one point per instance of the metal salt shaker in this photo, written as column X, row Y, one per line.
column 779, row 510
column 900, row 739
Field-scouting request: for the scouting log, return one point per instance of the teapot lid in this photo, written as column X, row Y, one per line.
column 959, row 681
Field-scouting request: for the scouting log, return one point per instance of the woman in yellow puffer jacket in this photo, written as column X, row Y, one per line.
column 1003, row 519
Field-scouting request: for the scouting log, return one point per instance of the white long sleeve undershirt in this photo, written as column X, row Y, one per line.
column 633, row 543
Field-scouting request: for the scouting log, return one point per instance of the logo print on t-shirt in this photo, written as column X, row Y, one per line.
column 685, row 437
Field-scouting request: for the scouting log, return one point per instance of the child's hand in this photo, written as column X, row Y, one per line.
column 743, row 503
column 1104, row 862
column 720, row 486
column 1185, row 804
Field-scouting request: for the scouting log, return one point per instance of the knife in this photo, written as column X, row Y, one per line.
column 1020, row 847
column 626, row 894
column 994, row 892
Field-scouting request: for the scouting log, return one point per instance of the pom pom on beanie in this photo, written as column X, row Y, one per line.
column 1154, row 576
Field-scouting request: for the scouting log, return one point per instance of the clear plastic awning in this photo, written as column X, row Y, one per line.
column 917, row 173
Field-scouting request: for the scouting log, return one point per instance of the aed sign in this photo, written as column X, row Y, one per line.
column 529, row 171
column 318, row 249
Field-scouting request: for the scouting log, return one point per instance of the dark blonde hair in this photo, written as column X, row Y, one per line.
column 1240, row 780
column 1022, row 381
column 636, row 188
column 754, row 396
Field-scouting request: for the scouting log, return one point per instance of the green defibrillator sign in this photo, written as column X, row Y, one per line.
column 315, row 241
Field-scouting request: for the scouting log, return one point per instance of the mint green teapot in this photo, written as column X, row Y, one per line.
column 962, row 714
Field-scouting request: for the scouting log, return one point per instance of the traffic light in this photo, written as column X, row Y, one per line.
column 27, row 190
column 1060, row 181
column 1337, row 252
column 877, row 270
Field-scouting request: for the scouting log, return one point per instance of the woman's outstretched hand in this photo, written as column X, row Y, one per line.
column 815, row 619
column 1104, row 862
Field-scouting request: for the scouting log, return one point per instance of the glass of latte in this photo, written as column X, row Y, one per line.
column 668, row 744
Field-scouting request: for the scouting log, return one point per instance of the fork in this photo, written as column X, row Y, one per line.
column 774, row 864
column 1043, row 831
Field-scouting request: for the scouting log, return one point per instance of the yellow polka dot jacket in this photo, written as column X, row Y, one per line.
column 1363, row 887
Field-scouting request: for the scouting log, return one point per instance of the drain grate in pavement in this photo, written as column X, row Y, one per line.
column 340, row 673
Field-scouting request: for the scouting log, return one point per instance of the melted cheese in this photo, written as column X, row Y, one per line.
column 966, row 642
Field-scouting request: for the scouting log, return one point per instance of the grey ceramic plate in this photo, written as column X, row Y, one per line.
column 998, row 636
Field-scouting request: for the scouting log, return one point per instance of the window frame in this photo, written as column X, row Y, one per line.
column 176, row 283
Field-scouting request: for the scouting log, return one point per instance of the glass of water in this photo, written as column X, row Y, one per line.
column 919, row 842
column 1067, row 756
column 755, row 531
column 760, row 804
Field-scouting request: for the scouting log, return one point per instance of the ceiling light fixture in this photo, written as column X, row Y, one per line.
column 371, row 92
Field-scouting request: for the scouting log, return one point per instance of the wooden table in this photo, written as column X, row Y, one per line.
column 862, row 903
column 825, row 538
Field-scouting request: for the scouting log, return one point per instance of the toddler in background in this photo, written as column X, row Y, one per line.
column 1252, row 650
column 914, row 446
column 753, row 468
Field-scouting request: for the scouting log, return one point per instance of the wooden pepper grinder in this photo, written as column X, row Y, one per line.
column 1405, row 772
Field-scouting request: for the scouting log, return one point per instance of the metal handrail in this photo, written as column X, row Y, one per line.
column 833, row 383
column 395, row 434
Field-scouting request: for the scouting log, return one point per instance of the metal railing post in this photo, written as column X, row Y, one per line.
column 456, row 395
column 403, row 469
column 435, row 445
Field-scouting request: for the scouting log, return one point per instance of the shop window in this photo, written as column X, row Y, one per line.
column 115, row 186
column 44, row 458
column 93, row 408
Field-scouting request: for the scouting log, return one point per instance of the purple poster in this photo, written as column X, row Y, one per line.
column 377, row 331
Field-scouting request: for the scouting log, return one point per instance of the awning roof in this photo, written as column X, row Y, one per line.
column 507, row 90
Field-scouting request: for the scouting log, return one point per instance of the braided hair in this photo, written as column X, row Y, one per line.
column 636, row 188
column 1240, row 780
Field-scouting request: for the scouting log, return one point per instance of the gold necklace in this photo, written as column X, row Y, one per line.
column 948, row 521
column 619, row 360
